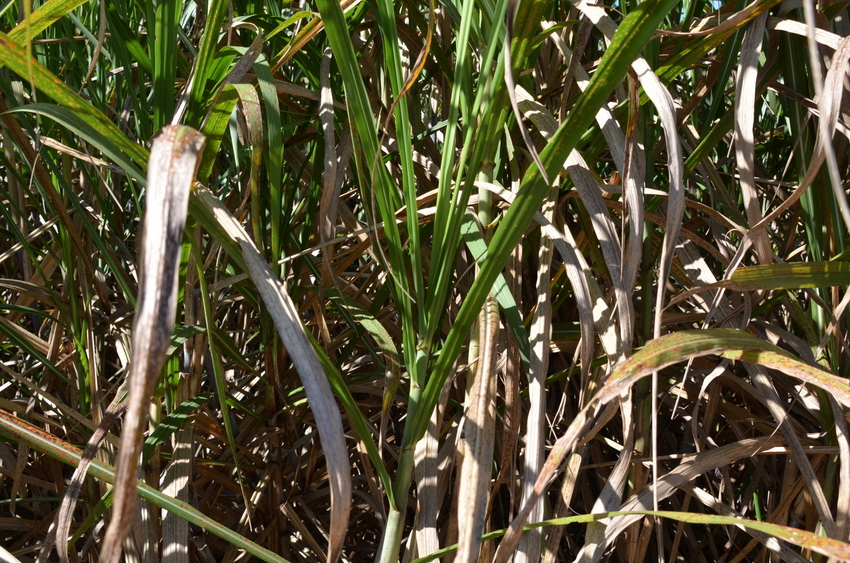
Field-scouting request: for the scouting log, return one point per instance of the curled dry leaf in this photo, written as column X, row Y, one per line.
column 171, row 170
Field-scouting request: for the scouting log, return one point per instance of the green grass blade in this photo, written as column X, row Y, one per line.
column 361, row 424
column 792, row 275
column 164, row 47
column 474, row 239
column 172, row 423
column 102, row 139
column 360, row 113
column 215, row 127
column 16, row 60
column 802, row 538
column 274, row 149
column 204, row 63
column 635, row 31
column 387, row 25
column 175, row 420
column 280, row 306
column 218, row 370
column 22, row 432
column 43, row 17
column 446, row 239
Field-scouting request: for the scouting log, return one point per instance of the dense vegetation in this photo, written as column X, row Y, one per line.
column 421, row 299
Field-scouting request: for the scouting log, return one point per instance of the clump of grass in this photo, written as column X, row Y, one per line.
column 449, row 272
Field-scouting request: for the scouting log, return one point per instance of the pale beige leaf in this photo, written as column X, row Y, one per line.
column 535, row 435
column 829, row 118
column 588, row 293
column 745, row 94
column 322, row 402
column 426, row 468
column 478, row 438
column 822, row 36
column 590, row 195
column 175, row 483
column 663, row 102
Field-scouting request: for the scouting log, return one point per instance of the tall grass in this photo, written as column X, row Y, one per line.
column 471, row 280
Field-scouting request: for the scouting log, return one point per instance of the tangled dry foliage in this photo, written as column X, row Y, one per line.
column 392, row 336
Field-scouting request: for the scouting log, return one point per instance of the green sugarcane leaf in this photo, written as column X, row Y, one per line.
column 792, row 275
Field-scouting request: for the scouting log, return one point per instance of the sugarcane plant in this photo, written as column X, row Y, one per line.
column 473, row 280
